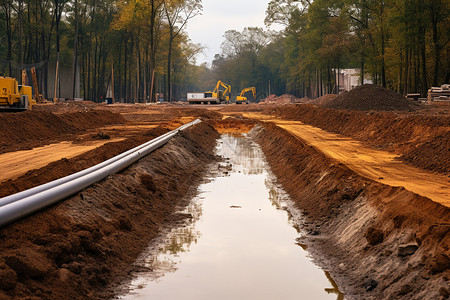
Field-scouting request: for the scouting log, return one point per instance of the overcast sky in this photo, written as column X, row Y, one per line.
column 221, row 15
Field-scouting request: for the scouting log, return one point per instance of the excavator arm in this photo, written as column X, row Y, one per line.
column 226, row 86
column 225, row 93
column 241, row 98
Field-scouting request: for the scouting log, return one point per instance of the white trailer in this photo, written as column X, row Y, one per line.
column 201, row 98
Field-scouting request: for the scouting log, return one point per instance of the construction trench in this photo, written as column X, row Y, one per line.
column 374, row 238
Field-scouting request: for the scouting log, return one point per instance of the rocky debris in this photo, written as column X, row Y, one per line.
column 370, row 285
column 440, row 263
column 407, row 249
column 374, row 236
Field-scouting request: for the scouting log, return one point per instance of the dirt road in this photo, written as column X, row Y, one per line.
column 15, row 164
column 377, row 165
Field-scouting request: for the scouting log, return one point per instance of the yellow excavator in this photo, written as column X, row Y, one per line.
column 217, row 96
column 241, row 98
column 15, row 97
column 217, row 93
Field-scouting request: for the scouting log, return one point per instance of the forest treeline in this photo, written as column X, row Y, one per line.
column 399, row 44
column 132, row 43
column 142, row 46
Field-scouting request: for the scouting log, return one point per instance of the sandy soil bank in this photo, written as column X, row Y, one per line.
column 377, row 241
column 81, row 248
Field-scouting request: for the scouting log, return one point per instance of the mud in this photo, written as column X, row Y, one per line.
column 80, row 248
column 378, row 242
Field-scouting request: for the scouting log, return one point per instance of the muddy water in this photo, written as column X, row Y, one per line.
column 240, row 243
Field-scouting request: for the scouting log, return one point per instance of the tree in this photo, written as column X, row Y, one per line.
column 178, row 13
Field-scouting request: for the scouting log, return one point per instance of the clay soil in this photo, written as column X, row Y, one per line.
column 357, row 229
column 421, row 139
column 376, row 241
column 83, row 247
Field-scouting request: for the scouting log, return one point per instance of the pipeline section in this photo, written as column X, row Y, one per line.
column 19, row 205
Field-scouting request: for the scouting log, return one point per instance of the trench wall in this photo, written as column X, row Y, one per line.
column 85, row 246
column 422, row 140
column 357, row 228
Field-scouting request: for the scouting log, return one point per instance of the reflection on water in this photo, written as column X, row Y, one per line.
column 243, row 153
column 240, row 243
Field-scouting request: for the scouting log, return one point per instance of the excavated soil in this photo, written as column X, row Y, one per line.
column 422, row 140
column 324, row 100
column 65, row 167
column 84, row 246
column 371, row 97
column 377, row 241
column 30, row 129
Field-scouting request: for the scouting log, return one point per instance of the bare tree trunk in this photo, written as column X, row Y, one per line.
column 75, row 51
column 169, row 61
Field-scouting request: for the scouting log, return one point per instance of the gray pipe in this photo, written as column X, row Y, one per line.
column 40, row 188
column 39, row 199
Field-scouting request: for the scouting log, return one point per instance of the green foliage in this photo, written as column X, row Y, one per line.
column 400, row 44
column 130, row 37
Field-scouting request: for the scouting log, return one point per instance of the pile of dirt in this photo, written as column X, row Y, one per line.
column 377, row 241
column 431, row 154
column 284, row 99
column 324, row 100
column 371, row 97
column 269, row 99
column 69, row 107
column 405, row 134
column 26, row 130
column 83, row 247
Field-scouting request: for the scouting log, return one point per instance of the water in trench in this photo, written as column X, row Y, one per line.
column 240, row 244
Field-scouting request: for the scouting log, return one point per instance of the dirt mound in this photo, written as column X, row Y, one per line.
column 82, row 247
column 284, row 99
column 371, row 97
column 69, row 107
column 432, row 154
column 324, row 100
column 25, row 130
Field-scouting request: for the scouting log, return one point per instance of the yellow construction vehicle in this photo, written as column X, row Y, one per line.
column 241, row 98
column 37, row 97
column 217, row 96
column 14, row 97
